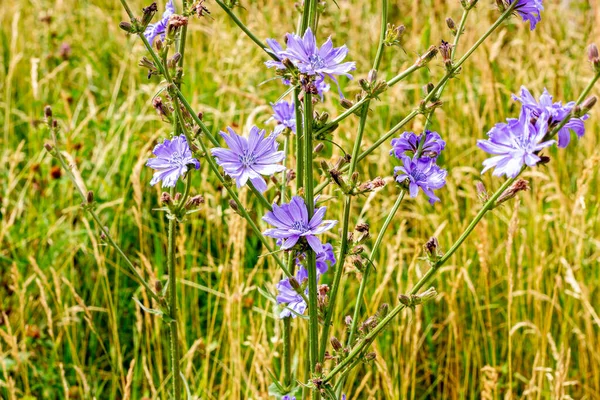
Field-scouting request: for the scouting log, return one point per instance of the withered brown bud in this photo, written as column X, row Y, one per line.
column 48, row 112
column 126, row 26
column 370, row 356
column 362, row 227
column 519, row 186
column 48, row 147
column 165, row 198
column 288, row 63
column 446, row 52
column 318, row 148
column 294, row 283
column 432, row 246
column 594, row 57
column 335, row 343
column 234, row 206
column 346, row 103
column 148, row 13
column 427, row 56
column 158, row 286
column 195, row 201
column 290, row 176
column 200, row 115
column 90, row 197
column 588, row 104
column 451, row 25
column 354, row 177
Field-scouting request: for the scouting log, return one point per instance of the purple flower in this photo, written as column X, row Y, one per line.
column 515, row 144
column 291, row 223
column 324, row 259
column 421, row 173
column 554, row 112
column 173, row 157
column 409, row 142
column 248, row 159
column 288, row 295
column 159, row 28
column 304, row 53
column 529, row 10
column 285, row 116
column 288, row 397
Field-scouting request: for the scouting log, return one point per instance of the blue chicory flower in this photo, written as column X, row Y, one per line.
column 250, row 158
column 287, row 295
column 311, row 60
column 554, row 112
column 421, row 173
column 529, row 10
column 159, row 28
column 285, row 116
column 173, row 157
column 409, row 142
column 515, row 144
column 291, row 223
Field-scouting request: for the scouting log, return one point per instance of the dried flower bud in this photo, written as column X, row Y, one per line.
column 358, row 264
column 195, row 201
column 126, row 26
column 318, row 368
column 158, row 286
column 290, row 175
column 294, row 284
column 165, row 198
column 318, row 148
column 48, row 112
column 234, row 206
column 175, row 23
column 199, row 9
column 338, row 179
column 148, row 13
column 177, row 196
column 519, row 186
column 159, row 106
column 347, row 104
column 48, row 147
column 428, row 88
column 174, row 60
column 90, row 197
column 103, row 236
column 451, row 25
column 335, row 343
column 362, row 227
column 427, row 56
column 200, row 115
column 594, row 57
column 288, row 63
column 432, row 246
column 357, row 250
column 370, row 356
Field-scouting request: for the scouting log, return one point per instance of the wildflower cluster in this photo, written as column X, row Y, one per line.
column 419, row 169
column 518, row 142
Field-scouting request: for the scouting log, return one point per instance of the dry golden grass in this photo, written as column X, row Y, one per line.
column 518, row 310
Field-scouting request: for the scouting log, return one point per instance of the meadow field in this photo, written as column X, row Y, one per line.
column 518, row 310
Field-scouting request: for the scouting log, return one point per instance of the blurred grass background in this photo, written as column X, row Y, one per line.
column 517, row 315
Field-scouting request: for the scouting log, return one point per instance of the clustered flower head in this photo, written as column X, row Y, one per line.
column 291, row 223
column 419, row 169
column 250, row 158
column 518, row 142
column 529, row 10
column 309, row 59
column 160, row 28
column 173, row 159
column 409, row 142
column 285, row 116
column 555, row 113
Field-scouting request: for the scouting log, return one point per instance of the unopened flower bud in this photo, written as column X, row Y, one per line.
column 165, row 198
column 362, row 227
column 370, row 356
column 364, row 84
column 358, row 264
column 234, row 206
column 288, row 63
column 195, row 201
column 103, row 236
column 294, row 284
column 200, row 115
column 481, row 191
column 290, row 176
column 432, row 247
column 177, row 196
column 428, row 88
column 372, row 77
column 335, row 343
column 427, row 295
column 126, row 26
column 158, row 286
column 519, row 186
column 354, row 177
column 348, row 320
column 174, row 60
column 383, row 310
column 48, row 147
column 446, row 52
column 594, row 57
column 451, row 25
column 588, row 104
column 90, row 197
column 318, row 148
column 318, row 368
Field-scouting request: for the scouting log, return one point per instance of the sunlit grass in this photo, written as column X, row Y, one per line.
column 518, row 310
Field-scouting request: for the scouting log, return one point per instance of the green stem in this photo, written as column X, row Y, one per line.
column 173, row 331
column 299, row 141
column 368, row 339
column 287, row 338
column 311, row 257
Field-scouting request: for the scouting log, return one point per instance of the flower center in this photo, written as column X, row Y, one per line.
column 300, row 226
column 316, row 62
column 178, row 159
column 247, row 159
column 418, row 175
